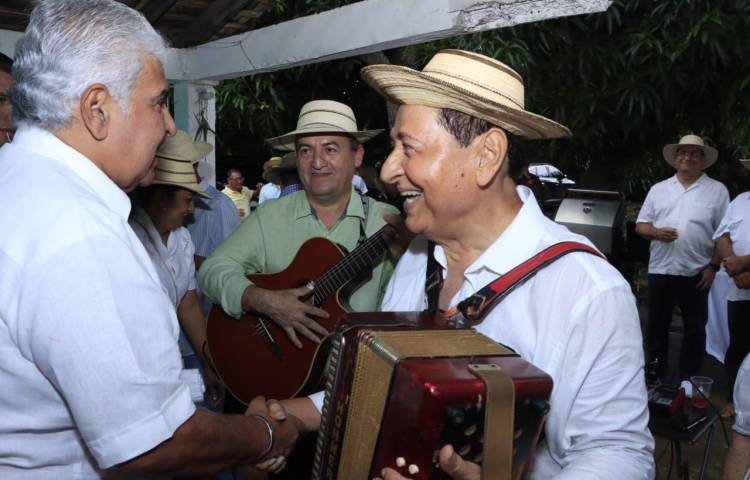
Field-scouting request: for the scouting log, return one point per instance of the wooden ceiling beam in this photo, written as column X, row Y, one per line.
column 154, row 9
column 213, row 19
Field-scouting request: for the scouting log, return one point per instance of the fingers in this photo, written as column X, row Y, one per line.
column 289, row 329
column 276, row 410
column 273, row 464
column 456, row 467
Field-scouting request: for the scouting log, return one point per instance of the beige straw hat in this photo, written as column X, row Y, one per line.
column 268, row 165
column 709, row 153
column 180, row 147
column 322, row 116
column 288, row 163
column 468, row 82
column 174, row 162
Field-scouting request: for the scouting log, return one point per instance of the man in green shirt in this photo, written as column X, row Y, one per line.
column 329, row 149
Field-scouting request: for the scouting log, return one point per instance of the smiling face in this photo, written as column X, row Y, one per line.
column 326, row 165
column 434, row 174
column 689, row 160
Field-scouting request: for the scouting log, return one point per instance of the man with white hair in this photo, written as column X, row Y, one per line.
column 88, row 338
column 679, row 216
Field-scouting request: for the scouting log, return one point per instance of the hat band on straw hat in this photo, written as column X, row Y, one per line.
column 474, row 84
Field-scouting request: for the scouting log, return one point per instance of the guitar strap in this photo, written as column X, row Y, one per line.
column 472, row 310
column 363, row 219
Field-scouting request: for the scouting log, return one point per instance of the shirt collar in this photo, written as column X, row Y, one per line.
column 517, row 243
column 675, row 181
column 141, row 218
column 41, row 142
column 303, row 209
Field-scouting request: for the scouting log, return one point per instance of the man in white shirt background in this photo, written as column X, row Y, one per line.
column 733, row 243
column 88, row 337
column 679, row 216
column 6, row 81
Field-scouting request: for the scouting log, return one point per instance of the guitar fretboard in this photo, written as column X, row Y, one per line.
column 362, row 258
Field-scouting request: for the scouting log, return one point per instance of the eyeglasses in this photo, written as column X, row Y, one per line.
column 690, row 154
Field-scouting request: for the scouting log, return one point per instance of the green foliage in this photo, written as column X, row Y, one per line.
column 626, row 82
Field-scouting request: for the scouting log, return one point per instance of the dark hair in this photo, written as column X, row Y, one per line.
column 6, row 64
column 465, row 128
column 229, row 172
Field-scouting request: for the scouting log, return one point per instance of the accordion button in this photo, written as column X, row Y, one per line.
column 413, row 469
column 400, row 461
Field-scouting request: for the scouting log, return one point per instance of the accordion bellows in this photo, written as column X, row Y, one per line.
column 398, row 390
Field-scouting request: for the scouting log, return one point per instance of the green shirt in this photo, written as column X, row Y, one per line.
column 268, row 240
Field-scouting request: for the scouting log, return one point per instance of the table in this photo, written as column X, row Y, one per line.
column 661, row 425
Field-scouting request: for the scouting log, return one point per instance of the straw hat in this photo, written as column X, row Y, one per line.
column 468, row 82
column 174, row 162
column 268, row 165
column 181, row 147
column 288, row 163
column 322, row 116
column 745, row 162
column 709, row 153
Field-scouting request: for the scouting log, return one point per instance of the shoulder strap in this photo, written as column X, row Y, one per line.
column 471, row 311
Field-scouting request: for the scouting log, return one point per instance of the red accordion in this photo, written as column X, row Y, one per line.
column 399, row 387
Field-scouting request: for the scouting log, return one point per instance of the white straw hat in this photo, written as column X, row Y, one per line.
column 322, row 116
column 709, row 153
column 468, row 82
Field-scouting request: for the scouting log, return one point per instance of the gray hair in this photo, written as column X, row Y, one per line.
column 72, row 44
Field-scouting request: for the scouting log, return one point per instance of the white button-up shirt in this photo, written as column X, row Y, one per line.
column 89, row 364
column 695, row 212
column 736, row 223
column 742, row 399
column 577, row 321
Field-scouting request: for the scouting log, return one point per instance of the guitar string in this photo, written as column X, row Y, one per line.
column 341, row 271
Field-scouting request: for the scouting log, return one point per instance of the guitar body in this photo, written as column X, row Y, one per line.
column 247, row 363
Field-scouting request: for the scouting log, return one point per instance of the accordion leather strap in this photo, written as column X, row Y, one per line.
column 497, row 456
column 472, row 310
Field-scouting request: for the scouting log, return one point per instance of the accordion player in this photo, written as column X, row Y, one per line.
column 399, row 387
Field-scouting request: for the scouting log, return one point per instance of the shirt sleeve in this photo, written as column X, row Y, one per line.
column 114, row 360
column 742, row 399
column 729, row 222
column 647, row 214
column 189, row 255
column 223, row 275
column 602, row 429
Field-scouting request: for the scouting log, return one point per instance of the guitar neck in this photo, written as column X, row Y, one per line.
column 361, row 259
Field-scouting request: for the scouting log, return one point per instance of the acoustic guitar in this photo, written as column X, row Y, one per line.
column 254, row 356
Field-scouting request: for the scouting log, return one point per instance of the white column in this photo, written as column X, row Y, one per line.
column 194, row 101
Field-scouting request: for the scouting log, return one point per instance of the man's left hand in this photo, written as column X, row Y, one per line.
column 397, row 236
column 707, row 277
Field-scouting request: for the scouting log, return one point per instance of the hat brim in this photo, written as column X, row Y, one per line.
column 745, row 162
column 201, row 150
column 710, row 154
column 287, row 142
column 405, row 86
column 193, row 187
